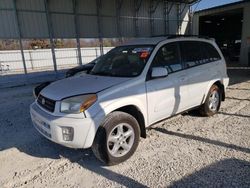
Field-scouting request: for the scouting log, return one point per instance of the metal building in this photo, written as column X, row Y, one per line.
column 230, row 25
column 76, row 19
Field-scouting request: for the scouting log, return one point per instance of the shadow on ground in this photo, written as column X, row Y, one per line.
column 201, row 139
column 196, row 113
column 226, row 173
column 239, row 99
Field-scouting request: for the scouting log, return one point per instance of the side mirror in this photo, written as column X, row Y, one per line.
column 159, row 72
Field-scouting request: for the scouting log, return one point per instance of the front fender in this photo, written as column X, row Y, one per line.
column 103, row 112
column 108, row 107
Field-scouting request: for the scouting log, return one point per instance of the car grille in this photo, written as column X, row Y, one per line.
column 42, row 130
column 46, row 103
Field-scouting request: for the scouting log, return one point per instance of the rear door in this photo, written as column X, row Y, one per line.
column 166, row 96
column 197, row 58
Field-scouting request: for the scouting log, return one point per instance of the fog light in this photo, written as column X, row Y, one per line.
column 68, row 133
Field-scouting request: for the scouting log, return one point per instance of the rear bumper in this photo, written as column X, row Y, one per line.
column 51, row 127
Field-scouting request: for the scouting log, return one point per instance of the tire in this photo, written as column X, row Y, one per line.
column 117, row 138
column 211, row 106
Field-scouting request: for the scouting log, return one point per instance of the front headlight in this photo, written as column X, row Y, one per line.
column 78, row 104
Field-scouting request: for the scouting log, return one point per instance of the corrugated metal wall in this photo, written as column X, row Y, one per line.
column 95, row 18
column 75, row 19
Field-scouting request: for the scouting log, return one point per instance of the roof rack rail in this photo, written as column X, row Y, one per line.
column 197, row 36
column 177, row 36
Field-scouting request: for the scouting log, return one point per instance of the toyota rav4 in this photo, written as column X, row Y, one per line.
column 132, row 87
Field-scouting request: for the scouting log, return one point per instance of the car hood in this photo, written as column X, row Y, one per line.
column 79, row 85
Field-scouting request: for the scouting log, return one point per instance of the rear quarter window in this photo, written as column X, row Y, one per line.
column 194, row 53
column 211, row 52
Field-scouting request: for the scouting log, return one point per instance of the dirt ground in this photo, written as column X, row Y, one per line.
column 184, row 151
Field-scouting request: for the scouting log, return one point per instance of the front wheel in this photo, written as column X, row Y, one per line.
column 117, row 138
column 212, row 103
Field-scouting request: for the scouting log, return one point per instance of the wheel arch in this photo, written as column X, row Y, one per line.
column 137, row 114
column 222, row 89
column 220, row 84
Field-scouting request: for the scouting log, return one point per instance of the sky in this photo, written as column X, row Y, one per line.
column 204, row 4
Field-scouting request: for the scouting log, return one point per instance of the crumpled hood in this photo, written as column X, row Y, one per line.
column 78, row 85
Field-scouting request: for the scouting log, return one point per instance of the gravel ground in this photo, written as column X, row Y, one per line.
column 183, row 151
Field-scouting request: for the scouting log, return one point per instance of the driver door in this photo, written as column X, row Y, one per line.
column 166, row 96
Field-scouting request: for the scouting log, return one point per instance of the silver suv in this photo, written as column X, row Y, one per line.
column 132, row 87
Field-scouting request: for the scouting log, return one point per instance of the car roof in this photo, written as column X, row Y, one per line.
column 156, row 40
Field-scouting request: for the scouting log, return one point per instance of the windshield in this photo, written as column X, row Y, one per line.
column 124, row 61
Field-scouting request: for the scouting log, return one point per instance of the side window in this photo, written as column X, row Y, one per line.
column 191, row 53
column 168, row 57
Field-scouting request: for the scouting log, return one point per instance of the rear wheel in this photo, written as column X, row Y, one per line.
column 212, row 103
column 117, row 139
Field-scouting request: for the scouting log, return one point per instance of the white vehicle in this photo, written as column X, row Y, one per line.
column 132, row 87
